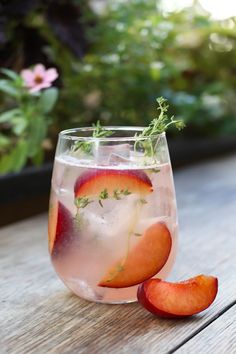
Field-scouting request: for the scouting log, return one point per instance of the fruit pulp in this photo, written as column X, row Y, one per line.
column 104, row 230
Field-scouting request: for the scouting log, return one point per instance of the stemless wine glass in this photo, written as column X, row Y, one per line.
column 112, row 216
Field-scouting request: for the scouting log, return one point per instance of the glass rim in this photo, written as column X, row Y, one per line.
column 67, row 134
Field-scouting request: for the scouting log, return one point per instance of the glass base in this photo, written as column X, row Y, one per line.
column 109, row 296
column 110, row 302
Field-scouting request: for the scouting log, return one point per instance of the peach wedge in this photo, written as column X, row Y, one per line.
column 93, row 182
column 143, row 261
column 173, row 300
column 60, row 228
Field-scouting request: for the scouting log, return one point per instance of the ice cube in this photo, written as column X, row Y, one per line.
column 113, row 220
column 115, row 159
column 103, row 154
column 93, row 224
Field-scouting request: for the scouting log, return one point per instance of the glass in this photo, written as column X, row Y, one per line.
column 112, row 215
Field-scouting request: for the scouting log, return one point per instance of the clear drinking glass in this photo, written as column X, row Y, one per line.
column 112, row 216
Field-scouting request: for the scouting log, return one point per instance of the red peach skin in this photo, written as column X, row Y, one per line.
column 145, row 260
column 178, row 300
column 91, row 183
column 60, row 228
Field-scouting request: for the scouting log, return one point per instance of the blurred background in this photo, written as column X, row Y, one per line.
column 113, row 57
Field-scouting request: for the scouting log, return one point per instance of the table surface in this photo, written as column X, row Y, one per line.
column 39, row 315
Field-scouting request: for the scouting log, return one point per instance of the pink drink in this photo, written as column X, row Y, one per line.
column 103, row 211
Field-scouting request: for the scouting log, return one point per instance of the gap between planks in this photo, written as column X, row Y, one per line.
column 200, row 329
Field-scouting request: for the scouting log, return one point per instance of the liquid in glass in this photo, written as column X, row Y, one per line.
column 112, row 217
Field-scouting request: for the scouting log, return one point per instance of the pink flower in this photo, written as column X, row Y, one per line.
column 38, row 78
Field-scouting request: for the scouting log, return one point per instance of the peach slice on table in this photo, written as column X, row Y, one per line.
column 177, row 300
column 93, row 182
column 60, row 228
column 143, row 261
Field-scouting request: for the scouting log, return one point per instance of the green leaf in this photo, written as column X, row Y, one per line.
column 7, row 116
column 4, row 141
column 20, row 155
column 7, row 87
column 48, row 99
column 38, row 158
column 19, row 125
column 37, row 132
column 11, row 74
column 16, row 159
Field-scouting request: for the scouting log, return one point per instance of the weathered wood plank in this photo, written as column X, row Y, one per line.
column 38, row 314
column 218, row 337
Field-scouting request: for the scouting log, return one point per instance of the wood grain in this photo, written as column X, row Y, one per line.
column 39, row 315
column 218, row 337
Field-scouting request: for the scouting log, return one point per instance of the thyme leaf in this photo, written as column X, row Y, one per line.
column 118, row 193
column 82, row 202
column 155, row 170
column 125, row 191
column 98, row 132
column 103, row 195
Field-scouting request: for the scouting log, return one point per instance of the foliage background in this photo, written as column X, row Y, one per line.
column 113, row 63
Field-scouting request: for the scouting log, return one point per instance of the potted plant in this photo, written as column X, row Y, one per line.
column 24, row 128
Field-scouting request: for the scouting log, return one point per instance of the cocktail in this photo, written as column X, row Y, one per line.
column 112, row 218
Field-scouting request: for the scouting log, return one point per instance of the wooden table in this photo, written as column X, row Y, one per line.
column 39, row 315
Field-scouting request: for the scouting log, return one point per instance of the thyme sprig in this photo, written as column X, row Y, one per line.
column 117, row 194
column 162, row 122
column 98, row 132
column 157, row 126
column 82, row 202
column 102, row 196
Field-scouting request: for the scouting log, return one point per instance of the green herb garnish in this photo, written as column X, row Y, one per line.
column 103, row 195
column 155, row 170
column 145, row 138
column 125, row 191
column 118, row 193
column 162, row 122
column 82, row 202
column 157, row 126
column 98, row 132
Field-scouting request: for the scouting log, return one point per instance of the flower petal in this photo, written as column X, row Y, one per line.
column 39, row 70
column 39, row 87
column 28, row 77
column 51, row 75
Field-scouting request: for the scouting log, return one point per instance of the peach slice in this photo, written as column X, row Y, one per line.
column 173, row 300
column 60, row 228
column 143, row 261
column 93, row 182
